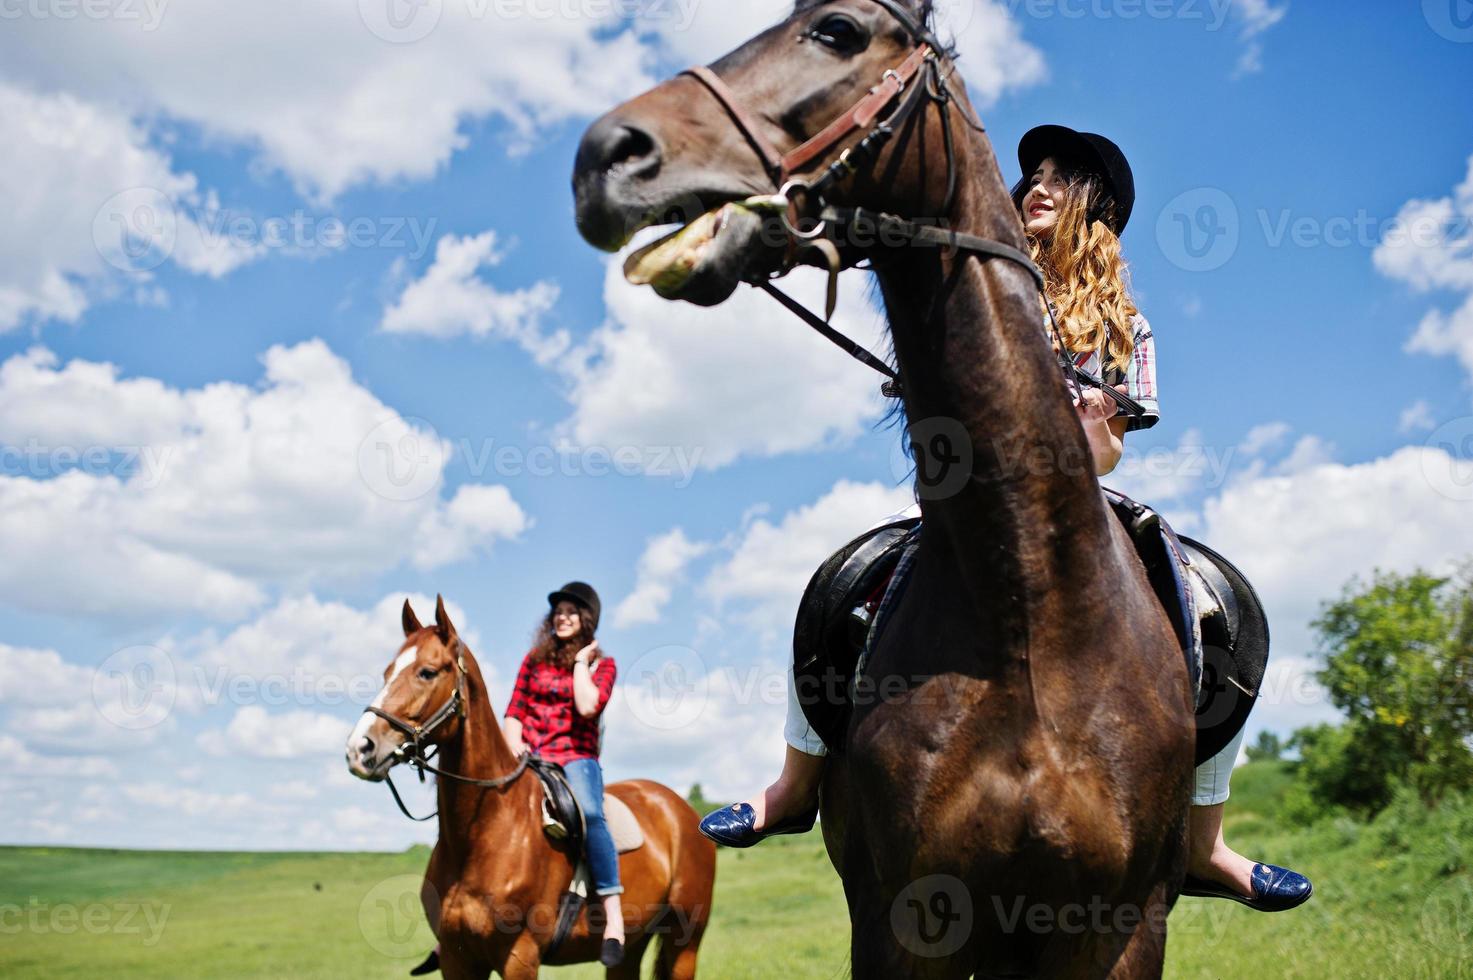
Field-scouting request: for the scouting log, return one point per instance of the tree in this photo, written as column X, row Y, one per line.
column 1399, row 662
column 1267, row 748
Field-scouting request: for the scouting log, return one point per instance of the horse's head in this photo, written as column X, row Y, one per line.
column 422, row 702
column 761, row 118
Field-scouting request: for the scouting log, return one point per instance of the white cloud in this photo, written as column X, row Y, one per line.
column 741, row 379
column 1262, row 438
column 67, row 162
column 21, row 761
column 1308, row 453
column 660, row 567
column 1429, row 246
column 450, row 299
column 991, row 52
column 317, row 651
column 36, row 678
column 307, row 478
column 324, row 99
column 1256, row 17
column 261, row 734
column 771, row 563
column 1416, row 417
column 672, row 716
column 1301, row 535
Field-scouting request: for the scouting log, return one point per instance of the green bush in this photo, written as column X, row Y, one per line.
column 1399, row 662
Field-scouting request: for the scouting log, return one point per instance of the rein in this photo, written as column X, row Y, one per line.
column 922, row 76
column 413, row 751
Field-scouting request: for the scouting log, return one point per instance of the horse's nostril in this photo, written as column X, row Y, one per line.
column 619, row 146
column 366, row 746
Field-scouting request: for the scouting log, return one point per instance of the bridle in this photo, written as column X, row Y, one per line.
column 413, row 751
column 920, row 80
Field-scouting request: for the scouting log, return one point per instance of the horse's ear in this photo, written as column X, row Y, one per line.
column 411, row 621
column 443, row 624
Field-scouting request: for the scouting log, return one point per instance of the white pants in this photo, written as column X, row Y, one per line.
column 1212, row 776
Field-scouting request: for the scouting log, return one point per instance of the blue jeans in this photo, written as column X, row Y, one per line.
column 586, row 777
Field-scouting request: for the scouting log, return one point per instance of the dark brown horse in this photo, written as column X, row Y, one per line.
column 1014, row 802
column 494, row 879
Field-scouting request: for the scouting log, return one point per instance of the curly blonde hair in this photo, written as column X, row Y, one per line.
column 1085, row 275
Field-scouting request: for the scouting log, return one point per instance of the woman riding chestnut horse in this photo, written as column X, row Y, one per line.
column 495, row 880
column 1033, row 752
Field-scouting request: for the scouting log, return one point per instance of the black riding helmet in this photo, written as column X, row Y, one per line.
column 1087, row 152
column 582, row 595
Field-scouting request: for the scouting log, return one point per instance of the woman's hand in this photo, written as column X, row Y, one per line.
column 588, row 654
column 1096, row 406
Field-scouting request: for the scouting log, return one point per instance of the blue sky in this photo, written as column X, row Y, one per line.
column 1315, row 373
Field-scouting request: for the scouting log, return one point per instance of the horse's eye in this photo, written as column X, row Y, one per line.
column 840, row 33
column 427, row 674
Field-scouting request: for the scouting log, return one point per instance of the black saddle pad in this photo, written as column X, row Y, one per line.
column 827, row 645
column 560, row 799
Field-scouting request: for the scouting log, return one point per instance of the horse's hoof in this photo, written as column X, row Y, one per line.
column 731, row 826
column 430, row 965
column 613, row 953
column 1275, row 889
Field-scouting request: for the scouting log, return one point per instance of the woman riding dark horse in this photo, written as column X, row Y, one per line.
column 1032, row 748
column 1075, row 198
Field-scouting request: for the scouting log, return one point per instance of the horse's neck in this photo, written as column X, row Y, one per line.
column 969, row 340
column 479, row 751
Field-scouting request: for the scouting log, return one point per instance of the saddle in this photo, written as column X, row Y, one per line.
column 562, row 820
column 1215, row 612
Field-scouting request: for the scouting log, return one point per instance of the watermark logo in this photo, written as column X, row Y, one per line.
column 135, row 688
column 1198, row 230
column 1447, row 917
column 670, row 688
column 136, row 230
column 391, row 917
column 932, row 917
column 401, row 21
column 1448, row 466
column 1451, row 19
column 401, row 459
column 940, row 455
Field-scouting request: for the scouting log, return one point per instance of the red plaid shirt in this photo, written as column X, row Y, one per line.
column 551, row 726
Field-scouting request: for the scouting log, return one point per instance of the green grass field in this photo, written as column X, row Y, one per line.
column 1389, row 902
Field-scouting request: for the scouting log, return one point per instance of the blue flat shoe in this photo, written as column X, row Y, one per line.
column 731, row 826
column 1275, row 889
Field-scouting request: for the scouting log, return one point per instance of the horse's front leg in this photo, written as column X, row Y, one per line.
column 523, row 960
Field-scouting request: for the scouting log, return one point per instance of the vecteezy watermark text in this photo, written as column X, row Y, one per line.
column 146, row 919
column 144, row 466
column 139, row 229
column 1213, row 13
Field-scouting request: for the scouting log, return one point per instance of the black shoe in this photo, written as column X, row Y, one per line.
column 731, row 826
column 613, row 953
column 430, row 965
column 1275, row 889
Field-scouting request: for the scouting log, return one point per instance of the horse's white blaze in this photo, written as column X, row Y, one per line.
column 401, row 664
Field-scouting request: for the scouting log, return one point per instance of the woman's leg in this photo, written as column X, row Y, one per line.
column 585, row 776
column 1209, row 855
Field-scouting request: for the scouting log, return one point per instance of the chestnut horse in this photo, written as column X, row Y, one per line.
column 494, row 880
column 1014, row 803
